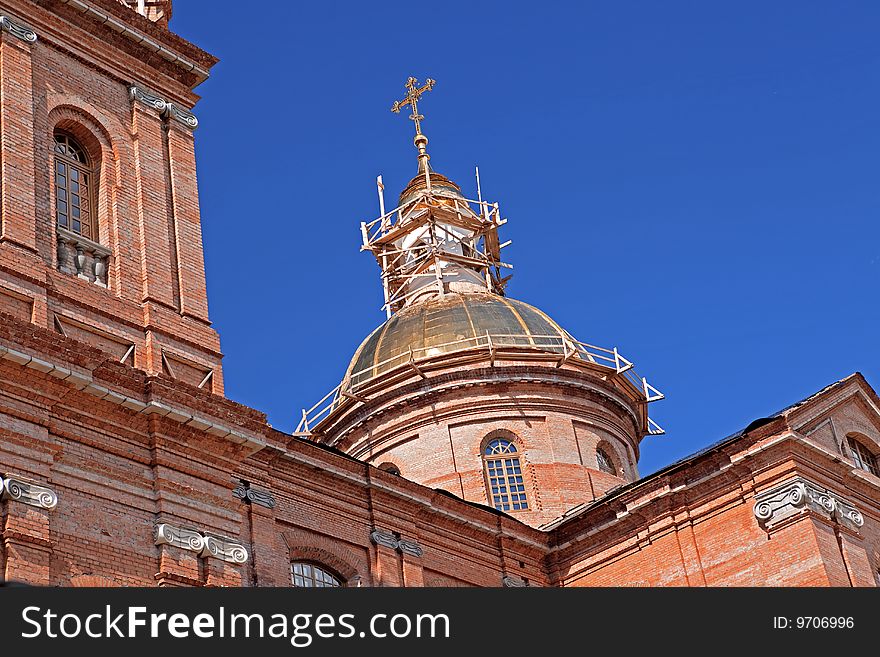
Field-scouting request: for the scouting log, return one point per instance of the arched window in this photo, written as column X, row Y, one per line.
column 390, row 468
column 606, row 464
column 504, row 476
column 75, row 187
column 863, row 457
column 308, row 575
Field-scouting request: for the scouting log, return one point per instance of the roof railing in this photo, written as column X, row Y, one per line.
column 562, row 347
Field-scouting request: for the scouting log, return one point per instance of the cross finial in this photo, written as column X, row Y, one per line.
column 413, row 93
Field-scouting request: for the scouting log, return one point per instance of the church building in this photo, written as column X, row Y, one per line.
column 472, row 440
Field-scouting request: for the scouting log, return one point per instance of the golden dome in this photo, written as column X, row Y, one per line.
column 449, row 323
column 418, row 184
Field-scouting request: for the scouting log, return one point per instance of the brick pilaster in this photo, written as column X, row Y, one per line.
column 187, row 223
column 223, row 573
column 178, row 567
column 18, row 210
column 386, row 566
column 157, row 264
column 26, row 544
column 413, row 573
column 268, row 558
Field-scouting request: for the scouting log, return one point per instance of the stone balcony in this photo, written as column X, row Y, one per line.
column 82, row 257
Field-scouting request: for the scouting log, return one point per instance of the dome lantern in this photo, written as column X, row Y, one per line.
column 436, row 241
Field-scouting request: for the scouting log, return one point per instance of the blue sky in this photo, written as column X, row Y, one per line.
column 695, row 183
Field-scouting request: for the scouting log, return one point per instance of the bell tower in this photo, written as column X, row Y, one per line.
column 100, row 229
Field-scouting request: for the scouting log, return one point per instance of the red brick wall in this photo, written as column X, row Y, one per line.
column 118, row 472
column 75, row 77
column 698, row 527
column 126, row 448
column 435, row 430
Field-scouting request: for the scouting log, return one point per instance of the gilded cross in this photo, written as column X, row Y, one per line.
column 414, row 92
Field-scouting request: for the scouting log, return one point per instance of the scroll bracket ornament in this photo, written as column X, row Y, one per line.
column 17, row 29
column 163, row 107
column 180, row 537
column 799, row 494
column 512, row 581
column 250, row 495
column 402, row 545
column 204, row 544
column 181, row 115
column 383, row 538
column 146, row 98
column 19, row 489
column 409, row 547
column 225, row 549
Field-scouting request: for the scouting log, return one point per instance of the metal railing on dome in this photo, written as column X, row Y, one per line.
column 564, row 349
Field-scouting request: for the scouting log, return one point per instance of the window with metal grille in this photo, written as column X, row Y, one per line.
column 74, row 187
column 504, row 478
column 308, row 575
column 863, row 456
column 604, row 461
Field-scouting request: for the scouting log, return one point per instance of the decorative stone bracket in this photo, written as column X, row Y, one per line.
column 17, row 30
column 250, row 495
column 19, row 489
column 164, row 107
column 799, row 494
column 402, row 545
column 512, row 581
column 224, row 549
column 205, row 544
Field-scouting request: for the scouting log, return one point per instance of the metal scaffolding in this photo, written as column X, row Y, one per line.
column 436, row 242
column 430, row 239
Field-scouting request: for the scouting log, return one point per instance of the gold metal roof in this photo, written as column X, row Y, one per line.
column 419, row 184
column 453, row 322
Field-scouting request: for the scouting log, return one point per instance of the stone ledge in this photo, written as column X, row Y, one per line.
column 86, row 382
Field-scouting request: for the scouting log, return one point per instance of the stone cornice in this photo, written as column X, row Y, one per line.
column 85, row 382
column 633, row 511
column 140, row 38
column 314, row 457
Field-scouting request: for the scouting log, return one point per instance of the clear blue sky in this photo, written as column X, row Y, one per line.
column 693, row 182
